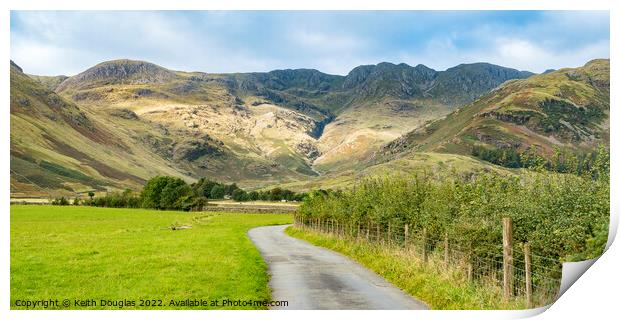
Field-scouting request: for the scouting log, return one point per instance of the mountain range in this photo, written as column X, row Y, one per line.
column 121, row 122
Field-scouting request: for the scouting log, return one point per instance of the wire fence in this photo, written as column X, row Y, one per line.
column 511, row 268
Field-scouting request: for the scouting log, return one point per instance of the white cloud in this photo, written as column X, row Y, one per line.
column 68, row 42
column 524, row 54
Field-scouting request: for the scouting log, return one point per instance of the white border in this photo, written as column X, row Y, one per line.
column 595, row 294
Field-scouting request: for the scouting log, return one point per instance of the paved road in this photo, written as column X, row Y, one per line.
column 310, row 277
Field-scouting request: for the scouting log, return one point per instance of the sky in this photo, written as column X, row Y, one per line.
column 69, row 42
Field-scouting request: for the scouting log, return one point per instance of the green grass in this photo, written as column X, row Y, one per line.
column 440, row 289
column 97, row 253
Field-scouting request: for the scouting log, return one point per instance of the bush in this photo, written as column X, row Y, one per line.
column 62, row 201
column 560, row 215
column 197, row 204
column 126, row 199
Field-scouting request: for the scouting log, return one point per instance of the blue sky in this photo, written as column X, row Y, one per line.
column 68, row 42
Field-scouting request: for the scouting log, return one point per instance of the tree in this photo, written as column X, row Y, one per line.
column 218, row 192
column 91, row 195
column 203, row 187
column 151, row 194
column 239, row 195
column 253, row 196
column 275, row 194
column 174, row 194
column 229, row 189
column 288, row 194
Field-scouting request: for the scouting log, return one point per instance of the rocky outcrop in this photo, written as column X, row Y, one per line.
column 308, row 149
column 497, row 142
column 455, row 86
column 124, row 113
column 520, row 119
column 119, row 71
column 193, row 148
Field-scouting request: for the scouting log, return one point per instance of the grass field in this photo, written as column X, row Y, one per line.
column 131, row 254
column 440, row 289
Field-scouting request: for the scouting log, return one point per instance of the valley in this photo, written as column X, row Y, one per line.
column 122, row 122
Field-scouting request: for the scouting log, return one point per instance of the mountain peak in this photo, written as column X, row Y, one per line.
column 120, row 71
column 385, row 74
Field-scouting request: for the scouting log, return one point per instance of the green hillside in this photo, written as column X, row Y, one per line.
column 567, row 109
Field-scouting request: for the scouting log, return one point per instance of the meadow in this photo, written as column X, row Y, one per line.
column 75, row 252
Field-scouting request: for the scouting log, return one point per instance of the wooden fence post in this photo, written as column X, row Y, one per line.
column 358, row 230
column 446, row 251
column 424, row 251
column 508, row 259
column 389, row 234
column 406, row 235
column 379, row 234
column 528, row 274
column 368, row 232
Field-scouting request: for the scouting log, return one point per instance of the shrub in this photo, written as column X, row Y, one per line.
column 62, row 201
column 560, row 215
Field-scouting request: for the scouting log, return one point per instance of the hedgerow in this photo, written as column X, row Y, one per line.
column 562, row 216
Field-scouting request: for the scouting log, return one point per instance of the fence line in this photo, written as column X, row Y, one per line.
column 515, row 270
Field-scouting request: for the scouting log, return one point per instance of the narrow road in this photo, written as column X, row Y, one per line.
column 310, row 277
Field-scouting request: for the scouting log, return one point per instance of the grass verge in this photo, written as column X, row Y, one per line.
column 439, row 288
column 132, row 254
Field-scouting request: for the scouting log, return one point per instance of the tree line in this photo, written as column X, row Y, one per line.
column 172, row 193
column 562, row 161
